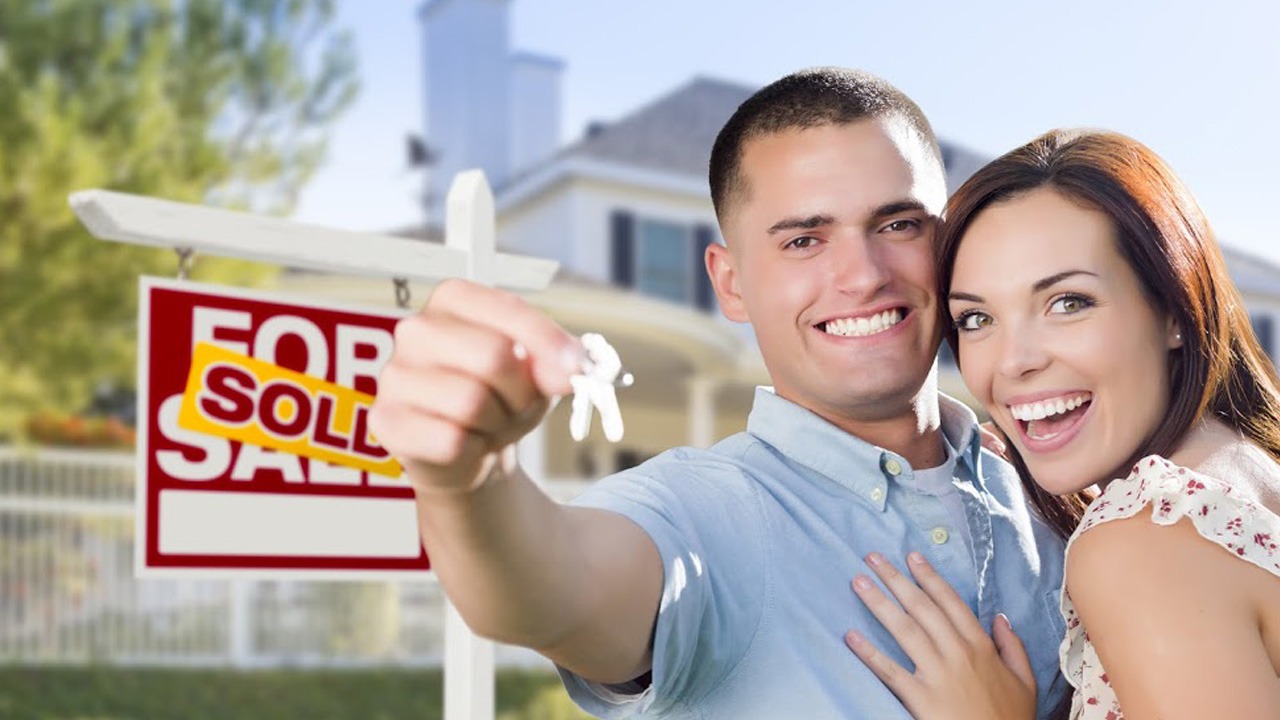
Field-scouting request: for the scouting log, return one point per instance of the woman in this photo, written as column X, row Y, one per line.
column 1094, row 320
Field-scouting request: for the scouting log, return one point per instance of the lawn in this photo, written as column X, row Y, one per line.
column 108, row 693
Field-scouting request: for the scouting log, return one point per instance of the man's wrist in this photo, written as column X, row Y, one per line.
column 495, row 468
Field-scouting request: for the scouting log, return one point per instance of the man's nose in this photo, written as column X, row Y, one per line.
column 859, row 267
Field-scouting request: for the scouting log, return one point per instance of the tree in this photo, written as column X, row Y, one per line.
column 223, row 102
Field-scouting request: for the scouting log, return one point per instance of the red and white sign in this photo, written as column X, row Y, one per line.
column 254, row 451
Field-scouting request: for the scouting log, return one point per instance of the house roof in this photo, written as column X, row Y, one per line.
column 674, row 133
column 1251, row 273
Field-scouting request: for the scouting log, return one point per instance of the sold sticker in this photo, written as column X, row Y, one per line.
column 244, row 399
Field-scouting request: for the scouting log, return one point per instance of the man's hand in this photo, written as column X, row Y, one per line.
column 471, row 373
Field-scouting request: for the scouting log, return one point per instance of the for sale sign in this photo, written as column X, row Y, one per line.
column 255, row 452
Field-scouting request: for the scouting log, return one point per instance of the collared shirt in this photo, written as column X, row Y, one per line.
column 940, row 482
column 760, row 536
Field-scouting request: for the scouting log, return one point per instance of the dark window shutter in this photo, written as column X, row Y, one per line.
column 622, row 244
column 946, row 358
column 703, row 296
column 1263, row 329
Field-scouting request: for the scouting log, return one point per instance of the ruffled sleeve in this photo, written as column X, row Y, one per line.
column 1220, row 515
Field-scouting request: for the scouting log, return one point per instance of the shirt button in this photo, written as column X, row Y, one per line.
column 893, row 467
column 939, row 535
column 877, row 493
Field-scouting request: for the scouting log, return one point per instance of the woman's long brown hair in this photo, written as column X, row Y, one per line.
column 1220, row 370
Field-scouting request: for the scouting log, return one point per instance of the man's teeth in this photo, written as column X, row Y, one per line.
column 863, row 326
column 1048, row 408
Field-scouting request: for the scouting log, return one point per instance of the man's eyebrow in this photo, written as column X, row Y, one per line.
column 802, row 223
column 1039, row 285
column 898, row 207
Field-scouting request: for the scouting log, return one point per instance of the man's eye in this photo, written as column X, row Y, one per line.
column 902, row 225
column 972, row 320
column 802, row 242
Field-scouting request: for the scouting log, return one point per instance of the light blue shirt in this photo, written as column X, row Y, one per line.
column 760, row 536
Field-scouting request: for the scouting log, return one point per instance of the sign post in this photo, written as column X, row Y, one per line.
column 255, row 408
column 469, row 229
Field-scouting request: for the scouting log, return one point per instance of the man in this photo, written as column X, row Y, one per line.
column 715, row 583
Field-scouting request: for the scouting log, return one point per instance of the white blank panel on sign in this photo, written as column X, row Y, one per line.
column 198, row 522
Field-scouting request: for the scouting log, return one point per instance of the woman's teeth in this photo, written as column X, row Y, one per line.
column 1048, row 408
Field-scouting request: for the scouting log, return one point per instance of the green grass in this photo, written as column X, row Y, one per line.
column 106, row 693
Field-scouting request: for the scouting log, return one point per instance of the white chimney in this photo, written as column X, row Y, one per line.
column 467, row 57
column 535, row 109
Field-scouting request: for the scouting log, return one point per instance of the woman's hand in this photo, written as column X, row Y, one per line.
column 993, row 440
column 960, row 672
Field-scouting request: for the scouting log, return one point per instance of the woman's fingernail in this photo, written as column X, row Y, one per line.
column 854, row 638
column 915, row 558
column 875, row 559
column 1004, row 619
column 861, row 582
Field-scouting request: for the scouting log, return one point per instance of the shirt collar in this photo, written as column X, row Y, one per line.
column 847, row 460
column 960, row 426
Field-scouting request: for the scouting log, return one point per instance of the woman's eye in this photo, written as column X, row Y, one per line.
column 1069, row 304
column 972, row 320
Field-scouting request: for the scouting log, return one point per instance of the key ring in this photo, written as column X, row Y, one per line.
column 595, row 387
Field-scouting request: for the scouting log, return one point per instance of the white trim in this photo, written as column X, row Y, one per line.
column 564, row 168
column 59, row 506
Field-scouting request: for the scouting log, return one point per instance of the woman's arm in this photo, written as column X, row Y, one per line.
column 960, row 672
column 1174, row 619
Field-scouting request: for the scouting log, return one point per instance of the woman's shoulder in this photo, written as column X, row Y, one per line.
column 1137, row 512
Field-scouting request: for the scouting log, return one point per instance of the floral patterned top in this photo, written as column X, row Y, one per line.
column 1240, row 525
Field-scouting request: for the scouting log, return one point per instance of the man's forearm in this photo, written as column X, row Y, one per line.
column 504, row 554
column 579, row 585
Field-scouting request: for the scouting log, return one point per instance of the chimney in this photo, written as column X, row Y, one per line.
column 467, row 56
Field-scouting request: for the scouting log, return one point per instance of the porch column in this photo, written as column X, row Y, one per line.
column 702, row 410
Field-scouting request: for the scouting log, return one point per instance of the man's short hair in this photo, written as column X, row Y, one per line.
column 805, row 99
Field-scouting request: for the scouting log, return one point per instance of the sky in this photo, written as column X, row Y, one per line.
column 1199, row 83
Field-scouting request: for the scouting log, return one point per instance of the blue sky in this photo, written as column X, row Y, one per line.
column 1201, row 85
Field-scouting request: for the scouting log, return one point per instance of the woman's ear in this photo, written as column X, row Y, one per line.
column 1173, row 335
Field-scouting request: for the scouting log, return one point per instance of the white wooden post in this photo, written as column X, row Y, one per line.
column 468, row 660
column 240, row 622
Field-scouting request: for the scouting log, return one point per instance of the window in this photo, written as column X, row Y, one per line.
column 661, row 258
column 1262, row 328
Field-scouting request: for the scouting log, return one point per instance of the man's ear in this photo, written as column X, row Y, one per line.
column 723, row 271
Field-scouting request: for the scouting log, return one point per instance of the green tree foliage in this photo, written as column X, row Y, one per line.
column 223, row 102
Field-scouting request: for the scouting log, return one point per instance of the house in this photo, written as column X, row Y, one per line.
column 627, row 212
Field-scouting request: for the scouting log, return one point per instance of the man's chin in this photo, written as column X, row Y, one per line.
column 876, row 402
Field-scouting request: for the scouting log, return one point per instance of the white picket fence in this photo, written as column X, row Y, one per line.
column 68, row 594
